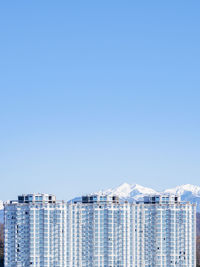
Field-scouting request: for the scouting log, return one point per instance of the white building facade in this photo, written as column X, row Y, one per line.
column 35, row 232
column 100, row 231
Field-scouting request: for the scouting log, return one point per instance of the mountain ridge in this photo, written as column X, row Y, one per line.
column 134, row 192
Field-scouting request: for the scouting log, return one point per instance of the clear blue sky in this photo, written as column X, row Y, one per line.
column 97, row 93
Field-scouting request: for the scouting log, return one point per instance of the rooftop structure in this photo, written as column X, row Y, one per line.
column 99, row 198
column 162, row 199
column 36, row 198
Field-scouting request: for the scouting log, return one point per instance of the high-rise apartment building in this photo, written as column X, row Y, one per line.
column 100, row 231
column 35, row 232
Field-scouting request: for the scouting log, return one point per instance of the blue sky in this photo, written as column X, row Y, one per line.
column 97, row 93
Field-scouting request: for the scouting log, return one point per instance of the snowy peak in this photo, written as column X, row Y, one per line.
column 128, row 191
column 134, row 192
column 187, row 192
column 182, row 189
column 122, row 191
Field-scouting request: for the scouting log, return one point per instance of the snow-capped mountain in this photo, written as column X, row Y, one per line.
column 134, row 192
column 130, row 192
column 184, row 188
column 187, row 192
